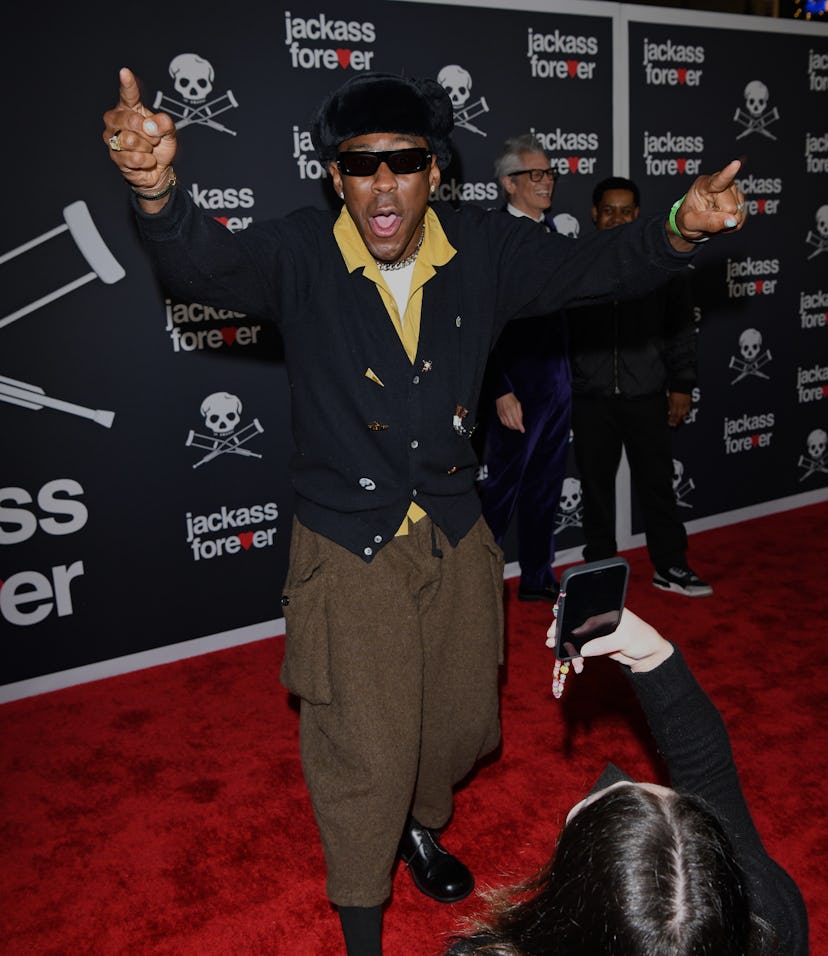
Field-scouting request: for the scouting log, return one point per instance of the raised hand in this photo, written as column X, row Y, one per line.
column 713, row 204
column 634, row 643
column 141, row 143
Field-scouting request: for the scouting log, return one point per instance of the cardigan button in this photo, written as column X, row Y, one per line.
column 416, row 380
column 367, row 552
column 285, row 600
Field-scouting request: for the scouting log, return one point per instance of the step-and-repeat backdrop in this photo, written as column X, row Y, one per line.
column 145, row 503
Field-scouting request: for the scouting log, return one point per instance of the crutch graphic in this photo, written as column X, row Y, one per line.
column 203, row 114
column 220, row 446
column 32, row 396
column 104, row 266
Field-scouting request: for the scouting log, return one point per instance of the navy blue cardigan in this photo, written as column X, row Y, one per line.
column 354, row 482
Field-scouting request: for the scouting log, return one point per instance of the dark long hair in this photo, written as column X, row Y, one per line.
column 634, row 874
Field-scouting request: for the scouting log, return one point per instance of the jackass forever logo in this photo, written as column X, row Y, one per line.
column 669, row 63
column 321, row 42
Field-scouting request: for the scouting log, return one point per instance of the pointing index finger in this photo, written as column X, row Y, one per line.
column 723, row 179
column 130, row 94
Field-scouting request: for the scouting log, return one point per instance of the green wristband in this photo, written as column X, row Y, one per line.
column 672, row 223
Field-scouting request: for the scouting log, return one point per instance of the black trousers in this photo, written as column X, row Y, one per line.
column 601, row 427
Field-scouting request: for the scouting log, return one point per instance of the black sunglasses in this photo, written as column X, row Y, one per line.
column 536, row 175
column 401, row 162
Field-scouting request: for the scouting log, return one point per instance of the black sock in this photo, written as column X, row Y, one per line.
column 362, row 929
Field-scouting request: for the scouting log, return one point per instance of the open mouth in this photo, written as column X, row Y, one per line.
column 385, row 224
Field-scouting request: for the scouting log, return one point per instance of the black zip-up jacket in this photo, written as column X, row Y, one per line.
column 635, row 348
column 354, row 482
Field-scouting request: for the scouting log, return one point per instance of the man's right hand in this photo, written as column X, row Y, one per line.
column 147, row 140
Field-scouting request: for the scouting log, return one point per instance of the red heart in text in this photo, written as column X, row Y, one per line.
column 344, row 57
column 228, row 333
column 754, row 440
column 572, row 162
column 246, row 539
column 681, row 164
column 760, row 204
column 571, row 67
column 682, row 75
column 759, row 285
column 222, row 219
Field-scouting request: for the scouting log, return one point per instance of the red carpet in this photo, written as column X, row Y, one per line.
column 163, row 812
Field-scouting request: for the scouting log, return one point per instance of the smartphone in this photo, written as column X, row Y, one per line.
column 590, row 604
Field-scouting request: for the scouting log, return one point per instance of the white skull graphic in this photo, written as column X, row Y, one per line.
column 678, row 474
column 817, row 442
column 750, row 341
column 193, row 77
column 457, row 82
column 567, row 225
column 570, row 495
column 222, row 412
column 822, row 221
column 756, row 97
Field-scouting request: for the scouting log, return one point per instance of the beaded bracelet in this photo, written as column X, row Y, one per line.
column 672, row 222
column 559, row 673
column 164, row 192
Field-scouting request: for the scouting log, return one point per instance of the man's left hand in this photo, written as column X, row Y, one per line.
column 712, row 205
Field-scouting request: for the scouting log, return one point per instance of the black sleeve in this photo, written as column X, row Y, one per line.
column 540, row 274
column 692, row 737
column 262, row 270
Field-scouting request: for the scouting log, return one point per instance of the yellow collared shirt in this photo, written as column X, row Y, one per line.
column 436, row 251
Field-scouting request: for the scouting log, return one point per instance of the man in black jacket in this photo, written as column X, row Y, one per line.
column 633, row 373
column 388, row 310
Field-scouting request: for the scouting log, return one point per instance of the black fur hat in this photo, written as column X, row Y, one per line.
column 385, row 103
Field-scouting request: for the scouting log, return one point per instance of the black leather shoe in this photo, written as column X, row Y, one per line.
column 548, row 593
column 434, row 870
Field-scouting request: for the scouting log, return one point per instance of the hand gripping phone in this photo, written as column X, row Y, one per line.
column 589, row 604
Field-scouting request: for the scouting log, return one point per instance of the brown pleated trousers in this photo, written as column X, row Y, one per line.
column 396, row 664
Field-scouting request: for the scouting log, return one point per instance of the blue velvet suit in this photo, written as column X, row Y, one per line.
column 523, row 472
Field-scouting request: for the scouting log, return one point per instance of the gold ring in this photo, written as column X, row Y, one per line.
column 740, row 206
column 115, row 141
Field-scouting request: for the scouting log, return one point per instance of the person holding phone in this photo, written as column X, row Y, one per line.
column 641, row 868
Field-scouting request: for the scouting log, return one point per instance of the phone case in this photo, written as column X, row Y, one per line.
column 578, row 572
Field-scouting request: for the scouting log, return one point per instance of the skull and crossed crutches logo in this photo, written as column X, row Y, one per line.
column 570, row 507
column 752, row 357
column 816, row 461
column 567, row 225
column 77, row 223
column 221, row 412
column 819, row 239
column 681, row 486
column 457, row 82
column 193, row 78
column 757, row 117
